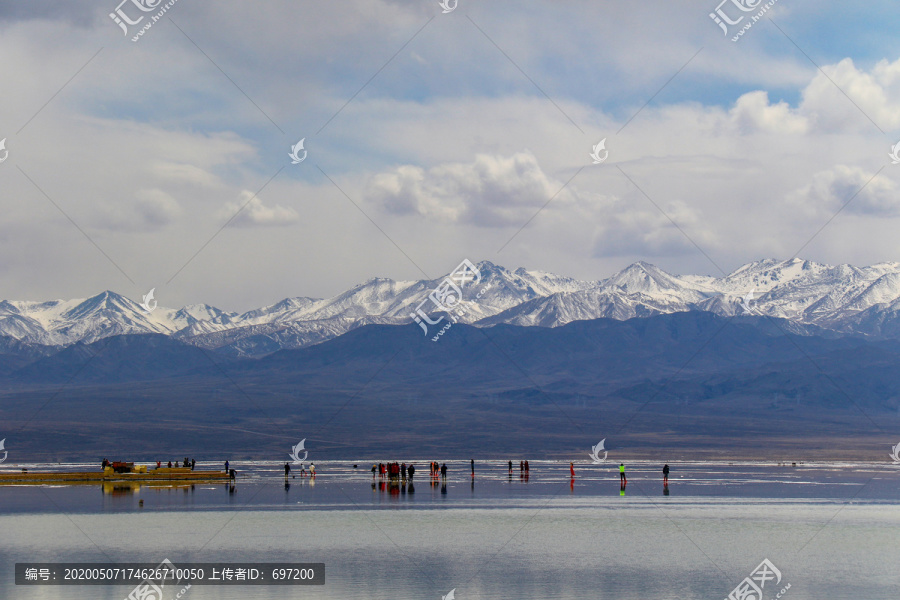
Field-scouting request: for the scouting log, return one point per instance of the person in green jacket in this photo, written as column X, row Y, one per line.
column 622, row 474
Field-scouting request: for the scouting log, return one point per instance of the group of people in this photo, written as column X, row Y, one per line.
column 393, row 470
column 188, row 462
column 622, row 479
column 523, row 468
column 303, row 473
column 401, row 470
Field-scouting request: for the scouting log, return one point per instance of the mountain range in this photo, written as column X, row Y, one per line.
column 778, row 358
column 688, row 384
column 841, row 300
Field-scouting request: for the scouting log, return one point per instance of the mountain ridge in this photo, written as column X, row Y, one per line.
column 844, row 299
column 710, row 385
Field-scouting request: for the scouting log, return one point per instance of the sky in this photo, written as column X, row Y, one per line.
column 434, row 136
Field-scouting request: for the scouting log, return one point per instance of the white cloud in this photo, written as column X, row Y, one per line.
column 185, row 173
column 839, row 99
column 492, row 191
column 505, row 192
column 251, row 212
column 632, row 231
column 157, row 208
column 149, row 140
column 875, row 93
column 832, row 188
column 150, row 210
column 752, row 112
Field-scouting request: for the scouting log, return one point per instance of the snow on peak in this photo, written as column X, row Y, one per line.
column 844, row 298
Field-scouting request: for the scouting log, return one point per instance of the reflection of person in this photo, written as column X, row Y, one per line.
column 622, row 474
column 666, row 474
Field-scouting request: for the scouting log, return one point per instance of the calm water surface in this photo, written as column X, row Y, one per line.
column 832, row 530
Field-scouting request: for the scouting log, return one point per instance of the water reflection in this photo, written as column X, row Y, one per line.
column 119, row 488
column 265, row 486
column 397, row 488
column 130, row 495
column 129, row 488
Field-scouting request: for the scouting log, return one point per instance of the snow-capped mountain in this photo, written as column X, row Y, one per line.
column 299, row 322
column 843, row 298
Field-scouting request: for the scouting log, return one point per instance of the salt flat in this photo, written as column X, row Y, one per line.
column 830, row 529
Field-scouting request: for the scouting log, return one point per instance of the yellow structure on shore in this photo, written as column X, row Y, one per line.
column 138, row 473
